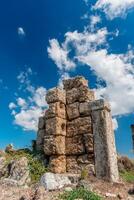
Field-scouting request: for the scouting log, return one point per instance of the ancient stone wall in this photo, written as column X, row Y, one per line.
column 76, row 132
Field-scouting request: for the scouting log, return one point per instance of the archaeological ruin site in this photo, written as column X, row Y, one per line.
column 76, row 132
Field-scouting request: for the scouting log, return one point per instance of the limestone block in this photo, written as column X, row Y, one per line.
column 104, row 145
column 72, row 165
column 73, row 110
column 41, row 123
column 56, row 109
column 54, row 145
column 75, row 145
column 99, row 105
column 75, row 82
column 81, row 94
column 88, row 142
column 79, row 126
column 86, row 159
column 56, row 126
column 57, row 164
column 84, row 109
column 56, row 95
column 40, row 139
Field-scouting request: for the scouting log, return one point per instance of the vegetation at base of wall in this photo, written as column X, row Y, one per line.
column 79, row 193
column 36, row 165
column 84, row 174
column 127, row 176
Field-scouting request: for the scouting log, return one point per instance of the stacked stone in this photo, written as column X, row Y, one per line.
column 55, row 130
column 79, row 135
column 40, row 134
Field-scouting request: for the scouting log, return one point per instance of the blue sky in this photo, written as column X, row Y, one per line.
column 42, row 42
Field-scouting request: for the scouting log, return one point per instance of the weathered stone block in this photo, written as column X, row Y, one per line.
column 58, row 164
column 40, row 139
column 104, row 145
column 73, row 110
column 41, row 123
column 56, row 126
column 86, row 159
column 75, row 82
column 56, row 109
column 84, row 109
column 79, row 126
column 75, row 145
column 88, row 142
column 54, row 145
column 81, row 94
column 56, row 95
column 100, row 105
column 72, row 165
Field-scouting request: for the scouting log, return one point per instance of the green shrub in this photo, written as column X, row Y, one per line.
column 127, row 176
column 36, row 166
column 79, row 193
column 84, row 174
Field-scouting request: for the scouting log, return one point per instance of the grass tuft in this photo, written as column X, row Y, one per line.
column 79, row 193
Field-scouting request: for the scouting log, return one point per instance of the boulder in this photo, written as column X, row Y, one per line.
column 19, row 172
column 54, row 181
column 3, row 167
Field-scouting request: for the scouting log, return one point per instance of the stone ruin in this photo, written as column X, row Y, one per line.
column 76, row 132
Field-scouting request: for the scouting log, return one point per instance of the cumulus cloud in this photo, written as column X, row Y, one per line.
column 21, row 32
column 114, row 8
column 26, row 111
column 116, row 71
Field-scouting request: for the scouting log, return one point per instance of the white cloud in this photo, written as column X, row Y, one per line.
column 27, row 111
column 114, row 8
column 21, row 31
column 59, row 55
column 94, row 20
column 12, row 105
column 115, row 70
column 115, row 124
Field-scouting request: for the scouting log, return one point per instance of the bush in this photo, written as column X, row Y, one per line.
column 36, row 166
column 127, row 176
column 79, row 193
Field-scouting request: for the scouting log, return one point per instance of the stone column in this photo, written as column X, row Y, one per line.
column 79, row 137
column 55, row 130
column 40, row 134
column 104, row 142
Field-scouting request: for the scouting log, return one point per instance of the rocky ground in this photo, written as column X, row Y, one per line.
column 109, row 191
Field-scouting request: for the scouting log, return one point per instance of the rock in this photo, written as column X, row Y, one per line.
column 73, row 111
column 54, row 181
column 85, row 159
column 84, row 109
column 58, row 164
column 40, row 193
column 75, row 145
column 85, row 184
column 88, row 142
column 18, row 172
column 40, row 139
column 68, row 189
column 72, row 165
column 9, row 148
column 54, row 145
column 56, row 109
column 79, row 126
column 3, row 168
column 131, row 191
column 111, row 195
column 75, row 83
column 81, row 94
column 56, row 126
column 56, row 95
column 41, row 123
